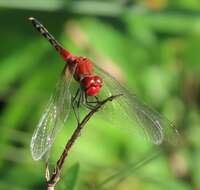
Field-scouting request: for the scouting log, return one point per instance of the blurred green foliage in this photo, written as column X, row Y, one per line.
column 151, row 45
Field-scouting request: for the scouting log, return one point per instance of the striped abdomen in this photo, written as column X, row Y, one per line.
column 45, row 33
column 66, row 55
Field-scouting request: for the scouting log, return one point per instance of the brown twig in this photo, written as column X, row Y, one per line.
column 54, row 179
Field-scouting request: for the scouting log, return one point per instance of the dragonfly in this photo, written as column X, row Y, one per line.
column 91, row 81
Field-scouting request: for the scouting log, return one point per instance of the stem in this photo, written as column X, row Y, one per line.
column 51, row 183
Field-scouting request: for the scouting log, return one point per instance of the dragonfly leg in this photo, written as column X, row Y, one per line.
column 89, row 104
column 76, row 105
column 79, row 101
column 90, row 107
column 96, row 101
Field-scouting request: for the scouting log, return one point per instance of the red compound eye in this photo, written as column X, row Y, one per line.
column 87, row 82
column 92, row 85
column 93, row 91
column 98, row 80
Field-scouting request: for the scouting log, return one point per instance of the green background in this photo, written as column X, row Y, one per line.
column 153, row 46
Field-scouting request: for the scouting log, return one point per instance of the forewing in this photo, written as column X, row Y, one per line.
column 155, row 127
column 53, row 117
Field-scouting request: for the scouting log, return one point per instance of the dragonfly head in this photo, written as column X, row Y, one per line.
column 92, row 85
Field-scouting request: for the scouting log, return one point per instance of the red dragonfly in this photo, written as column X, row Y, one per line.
column 92, row 81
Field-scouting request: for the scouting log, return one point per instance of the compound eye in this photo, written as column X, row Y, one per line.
column 90, row 81
column 87, row 82
column 93, row 91
column 98, row 80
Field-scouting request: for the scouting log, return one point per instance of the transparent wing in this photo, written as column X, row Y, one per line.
column 53, row 117
column 155, row 127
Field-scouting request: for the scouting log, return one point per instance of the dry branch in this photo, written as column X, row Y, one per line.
column 55, row 177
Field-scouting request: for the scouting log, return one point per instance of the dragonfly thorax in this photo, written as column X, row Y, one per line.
column 84, row 67
column 91, row 85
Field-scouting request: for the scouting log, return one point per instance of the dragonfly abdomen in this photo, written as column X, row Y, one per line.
column 45, row 33
column 66, row 55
